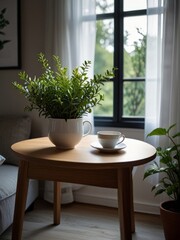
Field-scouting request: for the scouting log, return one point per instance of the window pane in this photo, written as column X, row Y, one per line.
column 104, row 46
column 130, row 5
column 133, row 99
column 106, row 107
column 104, row 6
column 134, row 46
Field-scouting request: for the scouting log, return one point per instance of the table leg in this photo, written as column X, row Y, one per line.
column 20, row 203
column 132, row 202
column 57, row 202
column 125, row 203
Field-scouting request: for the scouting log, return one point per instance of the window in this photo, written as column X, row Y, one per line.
column 121, row 43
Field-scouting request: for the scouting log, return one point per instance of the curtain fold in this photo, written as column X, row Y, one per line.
column 153, row 65
column 162, row 69
column 170, row 99
column 70, row 34
column 71, row 31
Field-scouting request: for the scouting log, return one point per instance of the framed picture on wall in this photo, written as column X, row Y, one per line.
column 9, row 34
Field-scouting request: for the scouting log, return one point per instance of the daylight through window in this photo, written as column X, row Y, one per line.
column 121, row 43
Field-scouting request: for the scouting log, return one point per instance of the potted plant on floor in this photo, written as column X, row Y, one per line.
column 169, row 183
column 63, row 99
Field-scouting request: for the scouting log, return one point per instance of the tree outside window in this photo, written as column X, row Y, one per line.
column 121, row 43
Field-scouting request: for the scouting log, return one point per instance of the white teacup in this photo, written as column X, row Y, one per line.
column 109, row 139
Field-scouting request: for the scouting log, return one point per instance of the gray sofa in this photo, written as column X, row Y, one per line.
column 12, row 129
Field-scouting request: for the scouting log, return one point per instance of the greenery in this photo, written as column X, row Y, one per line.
column 134, row 100
column 169, row 165
column 134, row 68
column 56, row 95
column 138, row 56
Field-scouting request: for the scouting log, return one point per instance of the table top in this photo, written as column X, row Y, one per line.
column 41, row 150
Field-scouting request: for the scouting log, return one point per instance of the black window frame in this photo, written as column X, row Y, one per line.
column 118, row 120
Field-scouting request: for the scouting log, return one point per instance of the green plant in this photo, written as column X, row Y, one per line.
column 169, row 164
column 56, row 95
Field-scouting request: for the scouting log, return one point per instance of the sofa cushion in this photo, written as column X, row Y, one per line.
column 2, row 159
column 13, row 129
column 8, row 180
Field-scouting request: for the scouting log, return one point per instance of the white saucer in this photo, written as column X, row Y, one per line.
column 98, row 146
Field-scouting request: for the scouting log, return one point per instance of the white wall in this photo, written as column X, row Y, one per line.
column 11, row 102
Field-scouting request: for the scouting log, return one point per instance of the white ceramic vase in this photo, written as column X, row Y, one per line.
column 66, row 134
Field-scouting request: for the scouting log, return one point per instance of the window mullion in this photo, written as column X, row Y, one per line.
column 118, row 60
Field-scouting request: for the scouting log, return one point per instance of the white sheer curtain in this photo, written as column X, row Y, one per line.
column 163, row 67
column 70, row 34
column 71, row 31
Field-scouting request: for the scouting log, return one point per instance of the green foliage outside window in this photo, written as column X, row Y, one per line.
column 134, row 92
column 134, row 67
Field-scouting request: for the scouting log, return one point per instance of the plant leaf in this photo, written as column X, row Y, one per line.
column 176, row 135
column 170, row 127
column 157, row 132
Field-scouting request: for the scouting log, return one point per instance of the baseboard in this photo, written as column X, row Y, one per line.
column 111, row 201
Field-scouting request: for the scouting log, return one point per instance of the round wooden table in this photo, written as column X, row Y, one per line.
column 40, row 159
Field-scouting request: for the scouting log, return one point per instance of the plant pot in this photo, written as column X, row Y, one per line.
column 66, row 134
column 170, row 219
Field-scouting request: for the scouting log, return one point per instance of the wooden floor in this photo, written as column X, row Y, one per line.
column 83, row 222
